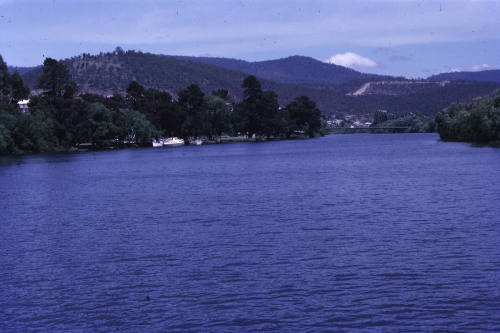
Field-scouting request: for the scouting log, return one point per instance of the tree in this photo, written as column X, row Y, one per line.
column 222, row 93
column 56, row 80
column 18, row 89
column 119, row 51
column 248, row 109
column 138, row 128
column 380, row 117
column 135, row 93
column 8, row 123
column 102, row 128
column 7, row 145
column 306, row 116
column 219, row 115
column 252, row 88
column 4, row 82
column 478, row 121
column 267, row 112
column 191, row 100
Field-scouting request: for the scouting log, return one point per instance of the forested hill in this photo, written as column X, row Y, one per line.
column 20, row 70
column 292, row 70
column 492, row 75
column 109, row 73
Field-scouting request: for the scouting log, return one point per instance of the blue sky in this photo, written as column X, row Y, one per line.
column 398, row 37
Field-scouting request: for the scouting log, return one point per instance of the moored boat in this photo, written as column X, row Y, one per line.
column 167, row 142
column 173, row 142
column 196, row 142
column 157, row 143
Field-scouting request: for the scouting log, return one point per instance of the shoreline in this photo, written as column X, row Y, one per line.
column 90, row 148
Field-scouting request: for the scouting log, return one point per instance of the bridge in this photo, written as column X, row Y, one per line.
column 342, row 130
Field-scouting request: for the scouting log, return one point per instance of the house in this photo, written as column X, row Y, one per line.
column 23, row 105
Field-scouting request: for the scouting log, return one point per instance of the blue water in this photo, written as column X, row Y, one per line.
column 344, row 233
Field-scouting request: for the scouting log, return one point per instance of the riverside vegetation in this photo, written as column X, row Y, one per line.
column 412, row 122
column 478, row 121
column 59, row 120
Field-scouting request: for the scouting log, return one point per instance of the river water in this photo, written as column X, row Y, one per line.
column 350, row 233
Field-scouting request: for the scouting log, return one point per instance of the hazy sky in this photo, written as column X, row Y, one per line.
column 399, row 37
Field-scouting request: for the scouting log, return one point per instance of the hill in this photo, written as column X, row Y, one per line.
column 108, row 73
column 21, row 70
column 492, row 75
column 291, row 70
column 396, row 87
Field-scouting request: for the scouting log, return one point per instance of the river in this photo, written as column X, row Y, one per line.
column 365, row 232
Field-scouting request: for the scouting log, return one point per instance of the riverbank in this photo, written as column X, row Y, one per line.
column 85, row 147
column 477, row 122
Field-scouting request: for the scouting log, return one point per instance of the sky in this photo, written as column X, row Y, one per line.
column 396, row 37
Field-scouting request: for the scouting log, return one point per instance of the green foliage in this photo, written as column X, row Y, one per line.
column 191, row 101
column 306, row 116
column 18, row 89
column 4, row 81
column 478, row 121
column 138, row 128
column 101, row 125
column 12, row 87
column 218, row 114
column 222, row 93
column 26, row 133
column 413, row 123
column 259, row 110
column 135, row 92
column 57, row 120
column 380, row 116
column 56, row 80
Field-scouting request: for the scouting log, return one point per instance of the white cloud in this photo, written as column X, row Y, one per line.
column 353, row 60
column 473, row 68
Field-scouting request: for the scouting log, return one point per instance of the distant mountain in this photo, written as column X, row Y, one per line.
column 109, row 73
column 292, row 70
column 492, row 75
column 21, row 70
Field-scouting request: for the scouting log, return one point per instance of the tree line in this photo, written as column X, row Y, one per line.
column 414, row 123
column 478, row 121
column 59, row 119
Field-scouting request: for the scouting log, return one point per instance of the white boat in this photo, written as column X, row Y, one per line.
column 157, row 144
column 196, row 142
column 173, row 142
column 167, row 142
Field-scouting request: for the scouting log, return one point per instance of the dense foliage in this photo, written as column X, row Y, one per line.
column 58, row 119
column 12, row 87
column 478, row 121
column 411, row 122
column 327, row 85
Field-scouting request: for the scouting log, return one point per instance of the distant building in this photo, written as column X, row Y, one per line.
column 23, row 105
column 334, row 123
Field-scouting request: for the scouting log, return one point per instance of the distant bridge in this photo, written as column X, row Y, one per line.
column 341, row 130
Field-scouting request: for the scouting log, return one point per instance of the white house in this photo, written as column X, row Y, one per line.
column 23, row 105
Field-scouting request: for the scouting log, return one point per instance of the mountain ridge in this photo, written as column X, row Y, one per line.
column 108, row 73
column 491, row 75
column 291, row 70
